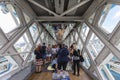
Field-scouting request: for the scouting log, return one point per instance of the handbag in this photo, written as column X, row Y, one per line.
column 81, row 58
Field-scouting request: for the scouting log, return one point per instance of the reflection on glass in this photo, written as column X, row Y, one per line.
column 23, row 45
column 34, row 31
column 87, row 61
column 59, row 31
column 111, row 67
column 84, row 31
column 8, row 17
column 95, row 46
column 110, row 17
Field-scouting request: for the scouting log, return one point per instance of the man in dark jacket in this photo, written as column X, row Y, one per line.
column 62, row 57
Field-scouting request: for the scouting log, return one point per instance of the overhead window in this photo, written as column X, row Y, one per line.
column 23, row 46
column 34, row 31
column 84, row 31
column 8, row 17
column 109, row 17
column 94, row 46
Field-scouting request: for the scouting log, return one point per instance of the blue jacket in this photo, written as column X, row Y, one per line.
column 63, row 55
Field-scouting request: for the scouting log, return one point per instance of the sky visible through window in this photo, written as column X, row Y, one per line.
column 112, row 18
column 7, row 22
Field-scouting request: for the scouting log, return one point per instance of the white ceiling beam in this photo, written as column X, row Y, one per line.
column 74, row 7
column 44, row 8
column 48, row 18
